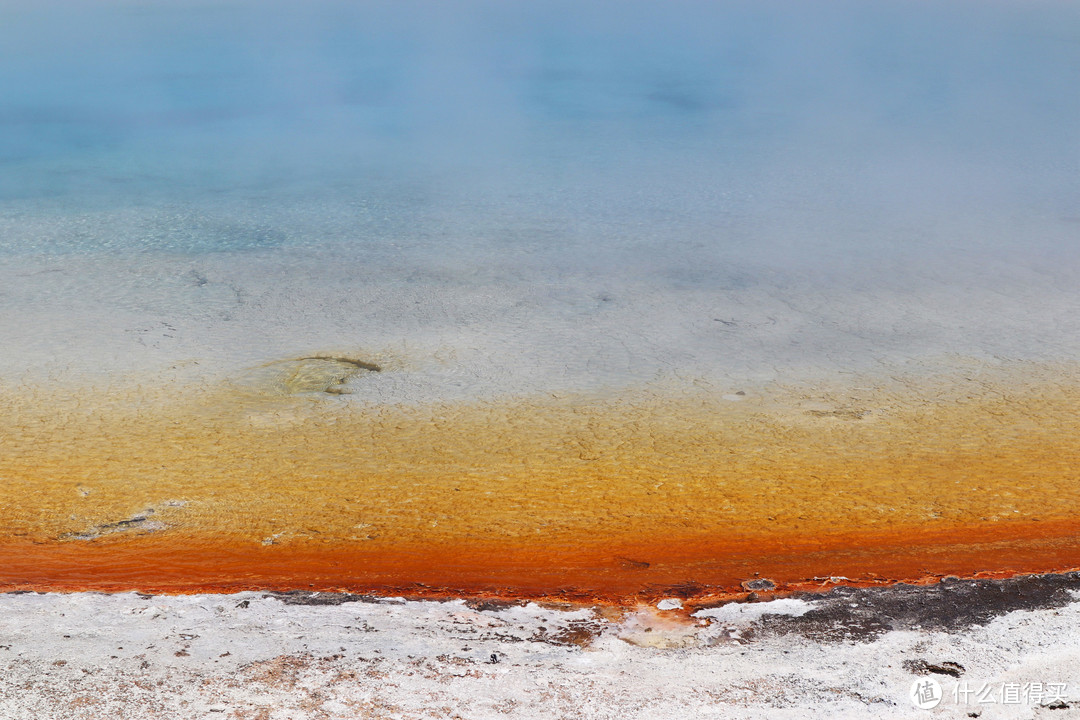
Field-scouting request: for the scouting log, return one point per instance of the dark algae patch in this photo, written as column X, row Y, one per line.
column 850, row 613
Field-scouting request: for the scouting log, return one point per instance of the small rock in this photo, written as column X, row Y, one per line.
column 669, row 604
column 923, row 667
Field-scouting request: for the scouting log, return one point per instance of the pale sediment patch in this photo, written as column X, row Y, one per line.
column 746, row 613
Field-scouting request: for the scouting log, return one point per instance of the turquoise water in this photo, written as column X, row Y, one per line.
column 508, row 177
column 546, row 125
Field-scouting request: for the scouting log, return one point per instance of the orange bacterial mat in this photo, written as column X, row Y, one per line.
column 615, row 497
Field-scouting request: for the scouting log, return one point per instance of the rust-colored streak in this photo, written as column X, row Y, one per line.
column 590, row 572
column 611, row 498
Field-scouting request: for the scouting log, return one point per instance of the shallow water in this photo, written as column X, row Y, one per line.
column 511, row 172
column 581, row 243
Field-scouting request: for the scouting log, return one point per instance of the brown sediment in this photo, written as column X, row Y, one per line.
column 646, row 493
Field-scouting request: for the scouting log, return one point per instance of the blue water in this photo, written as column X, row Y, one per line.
column 583, row 132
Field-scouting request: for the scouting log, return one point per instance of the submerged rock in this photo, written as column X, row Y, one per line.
column 140, row 523
column 297, row 376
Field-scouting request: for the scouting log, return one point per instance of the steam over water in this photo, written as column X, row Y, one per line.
column 521, row 196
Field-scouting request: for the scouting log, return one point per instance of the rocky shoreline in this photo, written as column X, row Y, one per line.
column 992, row 648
